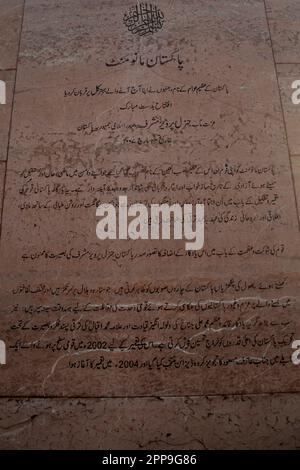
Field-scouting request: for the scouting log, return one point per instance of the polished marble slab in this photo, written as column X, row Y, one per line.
column 284, row 20
column 11, row 12
column 191, row 114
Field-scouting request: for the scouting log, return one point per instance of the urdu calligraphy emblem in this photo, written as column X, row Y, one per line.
column 143, row 19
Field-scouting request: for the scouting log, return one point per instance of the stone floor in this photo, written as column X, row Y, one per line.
column 256, row 417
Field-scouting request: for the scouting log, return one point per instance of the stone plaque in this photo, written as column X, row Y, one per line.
column 168, row 102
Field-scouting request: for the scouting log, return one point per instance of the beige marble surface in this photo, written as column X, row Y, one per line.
column 215, row 422
column 284, row 20
column 10, row 28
